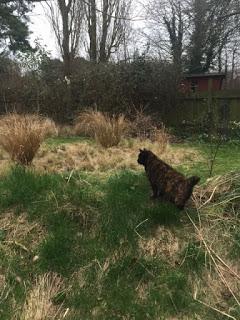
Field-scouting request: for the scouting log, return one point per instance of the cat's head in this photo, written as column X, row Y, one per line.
column 143, row 156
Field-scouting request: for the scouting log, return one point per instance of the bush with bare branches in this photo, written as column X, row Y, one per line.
column 142, row 124
column 160, row 137
column 21, row 135
column 144, row 128
column 107, row 130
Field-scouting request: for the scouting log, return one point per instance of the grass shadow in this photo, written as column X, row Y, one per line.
column 127, row 204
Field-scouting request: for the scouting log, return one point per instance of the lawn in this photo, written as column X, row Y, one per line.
column 80, row 237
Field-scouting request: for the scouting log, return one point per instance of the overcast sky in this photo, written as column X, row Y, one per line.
column 41, row 29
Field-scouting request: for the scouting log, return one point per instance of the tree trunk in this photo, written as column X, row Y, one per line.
column 92, row 25
column 65, row 42
column 105, row 23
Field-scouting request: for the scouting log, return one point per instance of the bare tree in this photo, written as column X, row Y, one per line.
column 168, row 23
column 108, row 25
column 67, row 18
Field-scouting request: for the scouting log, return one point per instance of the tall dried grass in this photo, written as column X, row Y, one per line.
column 161, row 138
column 218, row 191
column 144, row 127
column 39, row 303
column 142, row 124
column 21, row 135
column 107, row 130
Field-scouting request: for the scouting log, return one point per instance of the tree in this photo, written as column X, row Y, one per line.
column 212, row 29
column 107, row 27
column 67, row 21
column 13, row 25
column 168, row 24
column 91, row 15
column 196, row 49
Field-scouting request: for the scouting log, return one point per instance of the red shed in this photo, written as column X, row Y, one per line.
column 202, row 82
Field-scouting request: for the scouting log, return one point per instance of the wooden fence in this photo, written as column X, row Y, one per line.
column 224, row 105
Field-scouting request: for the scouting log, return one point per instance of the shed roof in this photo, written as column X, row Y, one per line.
column 206, row 75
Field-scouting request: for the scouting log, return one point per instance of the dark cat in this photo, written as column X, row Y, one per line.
column 166, row 181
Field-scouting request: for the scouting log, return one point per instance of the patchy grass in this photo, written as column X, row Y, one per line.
column 67, row 154
column 111, row 252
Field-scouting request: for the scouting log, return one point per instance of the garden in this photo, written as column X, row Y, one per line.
column 80, row 237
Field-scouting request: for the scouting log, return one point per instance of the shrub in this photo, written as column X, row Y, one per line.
column 144, row 127
column 49, row 126
column 107, row 130
column 66, row 131
column 21, row 135
column 142, row 124
column 161, row 137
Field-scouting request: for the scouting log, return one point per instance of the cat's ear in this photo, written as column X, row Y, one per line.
column 140, row 150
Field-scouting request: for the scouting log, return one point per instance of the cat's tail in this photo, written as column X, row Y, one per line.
column 193, row 180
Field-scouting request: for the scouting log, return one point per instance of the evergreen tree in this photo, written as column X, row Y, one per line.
column 13, row 25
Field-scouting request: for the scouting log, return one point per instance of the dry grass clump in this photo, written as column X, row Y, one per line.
column 107, row 130
column 217, row 204
column 143, row 127
column 221, row 281
column 39, row 303
column 142, row 124
column 161, row 137
column 50, row 128
column 218, row 191
column 21, row 135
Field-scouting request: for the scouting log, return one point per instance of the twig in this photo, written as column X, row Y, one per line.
column 135, row 230
column 215, row 309
column 18, row 245
column 70, row 176
column 66, row 312
column 209, row 199
column 225, row 201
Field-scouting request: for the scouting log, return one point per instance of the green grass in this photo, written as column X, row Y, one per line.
column 194, row 257
column 227, row 159
column 92, row 228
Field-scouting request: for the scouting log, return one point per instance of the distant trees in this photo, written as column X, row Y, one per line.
column 194, row 33
column 102, row 23
column 168, row 21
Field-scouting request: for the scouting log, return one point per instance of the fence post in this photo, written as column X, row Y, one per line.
column 224, row 117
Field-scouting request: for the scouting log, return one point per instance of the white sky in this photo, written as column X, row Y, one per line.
column 41, row 29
